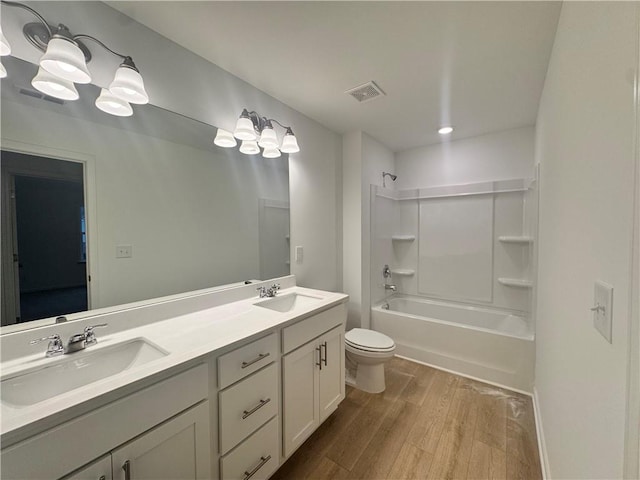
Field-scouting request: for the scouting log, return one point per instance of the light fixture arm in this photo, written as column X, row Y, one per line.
column 283, row 126
column 29, row 9
column 126, row 58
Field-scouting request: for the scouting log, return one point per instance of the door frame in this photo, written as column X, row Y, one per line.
column 89, row 186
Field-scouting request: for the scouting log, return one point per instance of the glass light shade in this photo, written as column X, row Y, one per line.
column 249, row 147
column 224, row 139
column 54, row 86
column 271, row 152
column 109, row 103
column 65, row 60
column 3, row 71
column 129, row 86
column 289, row 144
column 244, row 129
column 268, row 138
column 5, row 48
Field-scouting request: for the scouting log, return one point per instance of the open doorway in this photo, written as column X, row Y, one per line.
column 44, row 238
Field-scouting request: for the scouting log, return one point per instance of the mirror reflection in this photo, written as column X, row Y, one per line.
column 100, row 210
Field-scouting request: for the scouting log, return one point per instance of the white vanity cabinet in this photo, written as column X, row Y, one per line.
column 143, row 427
column 177, row 449
column 312, row 374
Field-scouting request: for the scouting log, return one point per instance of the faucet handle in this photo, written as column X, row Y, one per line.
column 90, row 336
column 275, row 286
column 55, row 346
column 262, row 291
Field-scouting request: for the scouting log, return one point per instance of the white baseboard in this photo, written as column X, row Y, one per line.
column 542, row 445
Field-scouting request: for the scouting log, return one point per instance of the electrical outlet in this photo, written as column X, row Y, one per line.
column 603, row 309
column 124, row 251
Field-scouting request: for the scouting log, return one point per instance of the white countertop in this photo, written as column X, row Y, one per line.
column 186, row 338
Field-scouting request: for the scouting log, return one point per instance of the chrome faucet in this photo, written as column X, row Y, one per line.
column 388, row 286
column 272, row 291
column 76, row 342
column 55, row 346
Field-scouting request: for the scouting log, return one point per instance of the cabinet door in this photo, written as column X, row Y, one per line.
column 300, row 392
column 98, row 470
column 332, row 372
column 176, row 449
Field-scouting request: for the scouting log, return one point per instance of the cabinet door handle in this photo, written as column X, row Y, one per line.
column 257, row 359
column 102, row 477
column 263, row 460
column 248, row 413
column 325, row 353
column 126, row 466
column 319, row 350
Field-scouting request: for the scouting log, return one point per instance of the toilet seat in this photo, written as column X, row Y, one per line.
column 369, row 340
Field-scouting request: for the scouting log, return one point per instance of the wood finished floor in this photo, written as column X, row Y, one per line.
column 427, row 424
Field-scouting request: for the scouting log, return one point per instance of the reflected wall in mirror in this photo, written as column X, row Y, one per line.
column 154, row 207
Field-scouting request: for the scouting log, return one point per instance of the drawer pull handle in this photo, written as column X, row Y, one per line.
column 257, row 359
column 319, row 350
column 248, row 413
column 325, row 353
column 102, row 477
column 263, row 460
column 126, row 466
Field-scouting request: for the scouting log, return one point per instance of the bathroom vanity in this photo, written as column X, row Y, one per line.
column 215, row 385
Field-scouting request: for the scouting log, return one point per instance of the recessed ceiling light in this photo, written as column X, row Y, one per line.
column 445, row 130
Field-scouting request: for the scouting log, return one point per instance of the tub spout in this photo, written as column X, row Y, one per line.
column 388, row 286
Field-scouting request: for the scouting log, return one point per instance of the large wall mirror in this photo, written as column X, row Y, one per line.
column 99, row 211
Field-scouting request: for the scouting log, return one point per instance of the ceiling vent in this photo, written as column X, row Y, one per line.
column 366, row 92
column 35, row 94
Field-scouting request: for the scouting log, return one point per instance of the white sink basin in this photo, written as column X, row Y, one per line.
column 288, row 302
column 75, row 370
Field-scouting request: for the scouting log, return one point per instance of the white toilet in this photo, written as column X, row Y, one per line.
column 366, row 352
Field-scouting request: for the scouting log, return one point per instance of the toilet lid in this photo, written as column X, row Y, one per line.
column 368, row 339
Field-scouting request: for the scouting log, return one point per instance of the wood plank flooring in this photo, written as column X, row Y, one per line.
column 427, row 424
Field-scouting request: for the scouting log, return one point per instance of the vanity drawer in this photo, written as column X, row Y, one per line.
column 257, row 455
column 300, row 333
column 246, row 406
column 245, row 360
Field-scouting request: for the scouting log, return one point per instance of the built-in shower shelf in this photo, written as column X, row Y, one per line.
column 404, row 272
column 516, row 239
column 516, row 282
column 403, row 238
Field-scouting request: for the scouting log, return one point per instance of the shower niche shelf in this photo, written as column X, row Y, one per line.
column 403, row 272
column 403, row 238
column 522, row 240
column 515, row 282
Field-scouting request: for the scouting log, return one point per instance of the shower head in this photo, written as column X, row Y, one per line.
column 387, row 174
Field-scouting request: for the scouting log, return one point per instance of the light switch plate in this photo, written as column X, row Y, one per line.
column 603, row 309
column 299, row 254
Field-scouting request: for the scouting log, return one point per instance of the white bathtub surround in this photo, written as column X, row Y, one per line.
column 367, row 351
column 468, row 243
column 488, row 344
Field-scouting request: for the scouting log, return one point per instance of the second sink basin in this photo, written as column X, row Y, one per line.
column 76, row 370
column 288, row 302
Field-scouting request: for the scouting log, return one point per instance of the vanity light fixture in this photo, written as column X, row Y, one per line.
column 257, row 131
column 225, row 139
column 54, row 86
column 109, row 103
column 5, row 49
column 445, row 130
column 65, row 62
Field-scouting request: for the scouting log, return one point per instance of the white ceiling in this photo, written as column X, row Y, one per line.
column 479, row 66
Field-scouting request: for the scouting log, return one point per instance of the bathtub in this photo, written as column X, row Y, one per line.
column 488, row 344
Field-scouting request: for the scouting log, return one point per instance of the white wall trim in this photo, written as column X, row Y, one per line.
column 632, row 434
column 542, row 445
